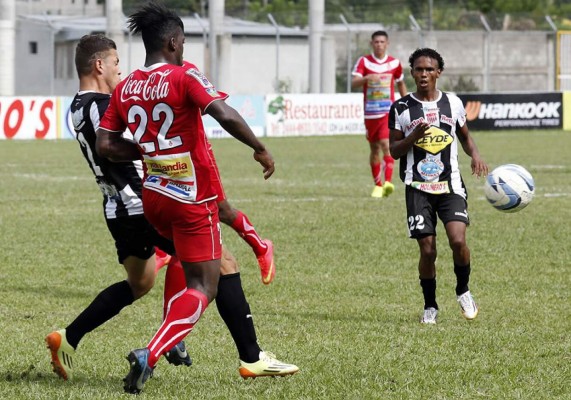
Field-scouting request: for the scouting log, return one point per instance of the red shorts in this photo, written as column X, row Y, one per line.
column 215, row 180
column 193, row 228
column 377, row 129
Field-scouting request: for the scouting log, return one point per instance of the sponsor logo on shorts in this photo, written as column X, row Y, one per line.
column 462, row 214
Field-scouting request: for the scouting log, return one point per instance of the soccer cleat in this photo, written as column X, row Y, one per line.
column 429, row 316
column 267, row 365
column 178, row 355
column 62, row 354
column 388, row 189
column 378, row 192
column 468, row 305
column 161, row 258
column 266, row 263
column 139, row 372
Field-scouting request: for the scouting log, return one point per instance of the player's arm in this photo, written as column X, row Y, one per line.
column 115, row 147
column 479, row 166
column 401, row 86
column 234, row 124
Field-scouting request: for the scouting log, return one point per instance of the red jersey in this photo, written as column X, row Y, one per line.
column 163, row 105
column 379, row 96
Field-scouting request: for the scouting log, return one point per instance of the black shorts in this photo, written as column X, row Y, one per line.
column 422, row 208
column 135, row 236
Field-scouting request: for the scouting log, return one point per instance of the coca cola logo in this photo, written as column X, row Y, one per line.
column 155, row 87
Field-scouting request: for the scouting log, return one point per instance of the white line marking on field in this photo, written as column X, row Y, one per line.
column 45, row 177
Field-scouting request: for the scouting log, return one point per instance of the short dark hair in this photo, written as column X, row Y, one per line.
column 156, row 23
column 379, row 33
column 426, row 52
column 89, row 49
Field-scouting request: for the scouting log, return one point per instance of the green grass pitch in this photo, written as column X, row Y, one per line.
column 345, row 303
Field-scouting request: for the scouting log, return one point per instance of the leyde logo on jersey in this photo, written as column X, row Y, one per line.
column 436, row 140
column 174, row 166
column 200, row 77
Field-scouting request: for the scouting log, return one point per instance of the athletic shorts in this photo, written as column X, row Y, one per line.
column 422, row 208
column 377, row 129
column 135, row 236
column 194, row 228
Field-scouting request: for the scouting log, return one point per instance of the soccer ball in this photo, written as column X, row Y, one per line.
column 509, row 188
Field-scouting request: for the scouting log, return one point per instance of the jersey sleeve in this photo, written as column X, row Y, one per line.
column 199, row 89
column 111, row 120
column 458, row 110
column 393, row 118
column 359, row 68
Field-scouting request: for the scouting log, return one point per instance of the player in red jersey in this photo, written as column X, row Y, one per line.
column 377, row 74
column 162, row 104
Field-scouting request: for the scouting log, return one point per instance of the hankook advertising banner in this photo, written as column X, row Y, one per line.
column 513, row 111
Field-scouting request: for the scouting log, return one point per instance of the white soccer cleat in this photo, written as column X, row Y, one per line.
column 267, row 365
column 468, row 305
column 429, row 316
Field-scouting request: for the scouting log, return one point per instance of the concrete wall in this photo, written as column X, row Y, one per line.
column 494, row 62
column 509, row 61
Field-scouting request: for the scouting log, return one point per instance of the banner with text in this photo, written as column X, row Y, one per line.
column 513, row 111
column 29, row 118
column 251, row 108
column 314, row 114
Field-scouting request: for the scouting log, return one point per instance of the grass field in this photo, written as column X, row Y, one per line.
column 345, row 303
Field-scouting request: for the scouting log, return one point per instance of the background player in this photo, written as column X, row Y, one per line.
column 425, row 128
column 377, row 74
column 178, row 197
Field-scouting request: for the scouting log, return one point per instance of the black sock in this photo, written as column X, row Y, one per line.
column 105, row 306
column 462, row 278
column 235, row 311
column 429, row 292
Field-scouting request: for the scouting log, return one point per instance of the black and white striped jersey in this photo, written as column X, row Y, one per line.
column 432, row 163
column 120, row 183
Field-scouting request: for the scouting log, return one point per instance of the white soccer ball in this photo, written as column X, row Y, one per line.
column 509, row 188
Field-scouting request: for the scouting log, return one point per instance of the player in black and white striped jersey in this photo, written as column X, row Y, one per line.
column 425, row 128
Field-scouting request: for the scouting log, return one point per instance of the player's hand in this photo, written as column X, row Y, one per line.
column 373, row 78
column 420, row 131
column 479, row 167
column 267, row 161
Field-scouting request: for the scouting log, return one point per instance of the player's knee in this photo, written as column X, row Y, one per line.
column 458, row 244
column 429, row 254
column 142, row 286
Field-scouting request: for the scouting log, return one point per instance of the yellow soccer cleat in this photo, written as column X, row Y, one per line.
column 268, row 365
column 378, row 192
column 388, row 189
column 62, row 354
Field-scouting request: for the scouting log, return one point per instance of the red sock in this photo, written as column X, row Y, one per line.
column 182, row 314
column 175, row 282
column 162, row 259
column 388, row 166
column 376, row 171
column 247, row 232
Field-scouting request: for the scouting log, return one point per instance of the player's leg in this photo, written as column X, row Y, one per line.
column 421, row 220
column 455, row 218
column 388, row 162
column 235, row 312
column 263, row 248
column 137, row 257
column 372, row 135
column 195, row 230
